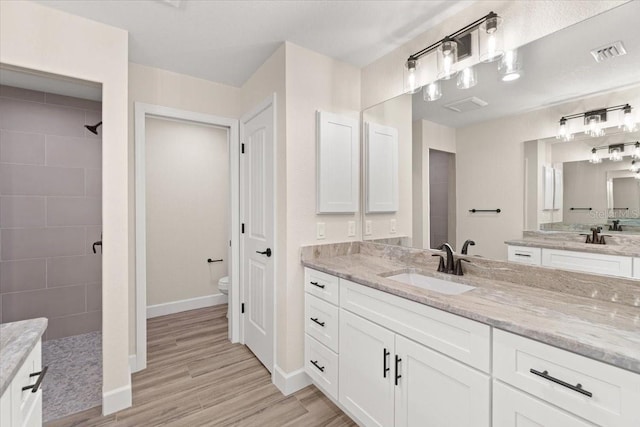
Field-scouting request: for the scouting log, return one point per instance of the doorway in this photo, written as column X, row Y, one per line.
column 442, row 198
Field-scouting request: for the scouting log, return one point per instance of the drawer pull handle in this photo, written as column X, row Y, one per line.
column 525, row 255
column 315, row 363
column 316, row 284
column 385, row 368
column 34, row 387
column 398, row 376
column 546, row 376
column 315, row 320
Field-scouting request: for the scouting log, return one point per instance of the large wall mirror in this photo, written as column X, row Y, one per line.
column 483, row 163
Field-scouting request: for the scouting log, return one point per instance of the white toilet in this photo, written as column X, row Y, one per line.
column 223, row 287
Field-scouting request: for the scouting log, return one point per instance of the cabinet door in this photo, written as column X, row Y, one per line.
column 512, row 408
column 435, row 390
column 365, row 386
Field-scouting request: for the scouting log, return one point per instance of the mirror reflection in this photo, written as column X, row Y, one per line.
column 473, row 164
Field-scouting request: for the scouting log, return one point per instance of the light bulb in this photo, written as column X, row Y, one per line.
column 412, row 80
column 467, row 78
column 490, row 36
column 447, row 57
column 432, row 91
column 594, row 157
column 615, row 155
column 510, row 66
column 628, row 122
column 635, row 167
column 594, row 128
column 563, row 131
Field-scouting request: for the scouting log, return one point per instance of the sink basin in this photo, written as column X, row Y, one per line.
column 431, row 283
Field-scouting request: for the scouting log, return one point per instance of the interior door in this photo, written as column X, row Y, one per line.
column 257, row 213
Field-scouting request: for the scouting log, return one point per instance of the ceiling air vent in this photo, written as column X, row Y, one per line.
column 467, row 104
column 609, row 51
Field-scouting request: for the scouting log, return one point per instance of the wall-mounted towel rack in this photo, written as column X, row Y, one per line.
column 580, row 209
column 485, row 210
column 621, row 209
column 214, row 260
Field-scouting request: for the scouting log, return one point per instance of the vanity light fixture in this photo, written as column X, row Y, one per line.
column 432, row 91
column 510, row 66
column 616, row 153
column 595, row 158
column 635, row 167
column 449, row 48
column 594, row 121
column 636, row 151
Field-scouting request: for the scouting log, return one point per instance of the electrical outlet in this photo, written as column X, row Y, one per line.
column 351, row 229
column 392, row 226
column 367, row 228
column 320, row 231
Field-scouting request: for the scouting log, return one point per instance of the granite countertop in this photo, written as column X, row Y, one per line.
column 17, row 339
column 605, row 331
column 608, row 249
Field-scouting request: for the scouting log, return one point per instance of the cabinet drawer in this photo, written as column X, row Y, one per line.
column 322, row 285
column 611, row 265
column 512, row 408
column 27, row 405
column 462, row 339
column 321, row 321
column 321, row 364
column 524, row 255
column 615, row 392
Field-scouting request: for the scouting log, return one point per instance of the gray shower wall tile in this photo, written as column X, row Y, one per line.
column 94, row 234
column 23, row 94
column 26, row 275
column 69, row 101
column 74, row 270
column 22, row 211
column 30, row 180
column 74, row 325
column 50, row 303
column 74, row 211
column 93, row 182
column 21, row 147
column 18, row 115
column 26, row 243
column 73, row 152
column 94, row 297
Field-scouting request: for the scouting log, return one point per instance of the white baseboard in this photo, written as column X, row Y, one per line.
column 185, row 305
column 292, row 382
column 116, row 400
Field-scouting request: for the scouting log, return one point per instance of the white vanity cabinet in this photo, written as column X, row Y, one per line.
column 636, row 268
column 23, row 408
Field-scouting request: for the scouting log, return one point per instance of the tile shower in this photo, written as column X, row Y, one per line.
column 50, row 215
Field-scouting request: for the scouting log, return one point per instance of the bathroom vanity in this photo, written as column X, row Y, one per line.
column 21, row 373
column 522, row 343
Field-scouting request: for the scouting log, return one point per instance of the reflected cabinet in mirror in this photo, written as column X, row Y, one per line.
column 488, row 161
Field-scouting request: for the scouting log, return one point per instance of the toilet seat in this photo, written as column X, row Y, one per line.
column 223, row 285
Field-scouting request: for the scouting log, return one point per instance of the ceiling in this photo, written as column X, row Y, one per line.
column 227, row 41
column 557, row 68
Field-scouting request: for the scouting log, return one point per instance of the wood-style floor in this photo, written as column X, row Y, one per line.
column 196, row 377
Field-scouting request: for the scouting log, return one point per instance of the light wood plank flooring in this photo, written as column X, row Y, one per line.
column 196, row 377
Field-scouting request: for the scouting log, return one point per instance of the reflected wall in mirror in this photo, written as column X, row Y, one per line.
column 485, row 130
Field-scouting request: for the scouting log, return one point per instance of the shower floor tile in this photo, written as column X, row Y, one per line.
column 74, row 380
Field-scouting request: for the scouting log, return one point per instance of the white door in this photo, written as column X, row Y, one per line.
column 435, row 390
column 366, row 367
column 257, row 213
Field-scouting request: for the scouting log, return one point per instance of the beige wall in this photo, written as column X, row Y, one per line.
column 527, row 21
column 160, row 87
column 395, row 113
column 187, row 201
column 39, row 38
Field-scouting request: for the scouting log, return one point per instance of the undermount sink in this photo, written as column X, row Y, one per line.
column 431, row 283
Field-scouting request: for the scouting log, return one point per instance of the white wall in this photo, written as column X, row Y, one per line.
column 40, row 38
column 395, row 113
column 187, row 200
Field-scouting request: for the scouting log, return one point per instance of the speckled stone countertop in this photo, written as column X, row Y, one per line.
column 17, row 339
column 617, row 244
column 596, row 328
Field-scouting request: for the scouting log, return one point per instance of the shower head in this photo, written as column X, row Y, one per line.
column 94, row 128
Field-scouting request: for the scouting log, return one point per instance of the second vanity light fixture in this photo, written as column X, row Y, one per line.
column 616, row 154
column 490, row 40
column 594, row 121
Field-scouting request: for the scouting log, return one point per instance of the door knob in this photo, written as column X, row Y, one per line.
column 267, row 252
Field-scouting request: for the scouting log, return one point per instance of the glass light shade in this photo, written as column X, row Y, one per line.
column 635, row 166
column 510, row 66
column 595, row 158
column 467, row 78
column 491, row 39
column 447, row 58
column 628, row 121
column 637, row 175
column 615, row 155
column 594, row 127
column 563, row 131
column 635, row 154
column 411, row 76
column 432, row 91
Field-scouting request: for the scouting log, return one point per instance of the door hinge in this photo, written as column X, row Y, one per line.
column 242, row 148
column 242, row 230
column 242, row 308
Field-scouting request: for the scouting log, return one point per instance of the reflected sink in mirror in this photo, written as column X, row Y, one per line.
column 431, row 283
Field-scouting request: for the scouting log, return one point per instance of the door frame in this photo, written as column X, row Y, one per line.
column 142, row 111
column 270, row 101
